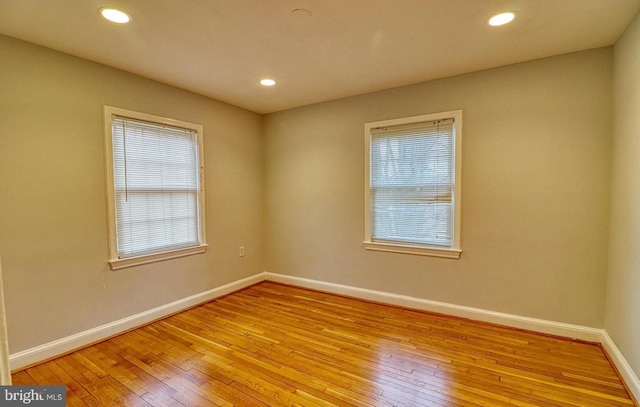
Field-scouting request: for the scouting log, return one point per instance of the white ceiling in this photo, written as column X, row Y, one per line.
column 222, row 48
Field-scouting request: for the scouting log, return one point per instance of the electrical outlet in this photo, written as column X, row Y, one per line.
column 241, row 251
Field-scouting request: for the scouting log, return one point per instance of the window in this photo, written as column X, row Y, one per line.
column 412, row 187
column 155, row 173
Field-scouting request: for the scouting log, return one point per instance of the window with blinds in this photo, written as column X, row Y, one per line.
column 412, row 185
column 156, row 194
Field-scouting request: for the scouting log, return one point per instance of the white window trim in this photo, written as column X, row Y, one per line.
column 115, row 262
column 452, row 252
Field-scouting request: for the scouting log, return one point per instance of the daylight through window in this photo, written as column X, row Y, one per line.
column 157, row 197
column 413, row 184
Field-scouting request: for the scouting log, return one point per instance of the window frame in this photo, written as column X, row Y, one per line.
column 115, row 262
column 455, row 250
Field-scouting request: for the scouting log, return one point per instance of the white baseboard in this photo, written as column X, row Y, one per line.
column 61, row 346
column 533, row 324
column 630, row 378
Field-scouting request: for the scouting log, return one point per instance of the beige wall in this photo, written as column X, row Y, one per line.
column 535, row 209
column 536, row 173
column 53, row 237
column 623, row 295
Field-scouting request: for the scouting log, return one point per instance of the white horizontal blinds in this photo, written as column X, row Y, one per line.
column 156, row 177
column 412, row 183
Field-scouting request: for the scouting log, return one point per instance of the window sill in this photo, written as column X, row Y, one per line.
column 117, row 264
column 421, row 251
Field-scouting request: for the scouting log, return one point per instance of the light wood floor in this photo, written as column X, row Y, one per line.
column 272, row 345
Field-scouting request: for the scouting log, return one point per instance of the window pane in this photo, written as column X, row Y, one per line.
column 412, row 183
column 156, row 177
column 154, row 221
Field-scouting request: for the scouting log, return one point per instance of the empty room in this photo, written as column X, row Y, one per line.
column 320, row 203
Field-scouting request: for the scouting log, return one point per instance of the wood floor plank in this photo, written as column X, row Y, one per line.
column 277, row 345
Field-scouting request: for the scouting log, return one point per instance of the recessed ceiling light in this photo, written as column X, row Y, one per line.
column 114, row 15
column 267, row 82
column 502, row 18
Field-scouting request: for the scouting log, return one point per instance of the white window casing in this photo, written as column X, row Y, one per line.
column 413, row 185
column 155, row 188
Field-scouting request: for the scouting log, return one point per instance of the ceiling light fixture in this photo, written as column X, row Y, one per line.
column 115, row 16
column 502, row 18
column 267, row 82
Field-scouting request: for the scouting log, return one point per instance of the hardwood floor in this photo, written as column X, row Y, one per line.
column 272, row 345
